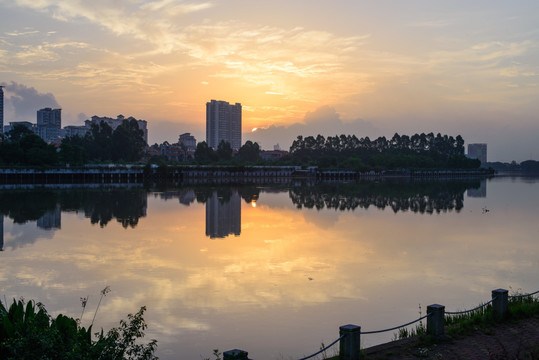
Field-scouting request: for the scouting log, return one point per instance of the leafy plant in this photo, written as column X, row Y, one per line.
column 27, row 331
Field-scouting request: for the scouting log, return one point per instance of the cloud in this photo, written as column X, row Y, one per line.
column 324, row 121
column 155, row 22
column 22, row 102
column 431, row 24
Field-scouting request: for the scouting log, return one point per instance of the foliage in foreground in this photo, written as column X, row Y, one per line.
column 27, row 331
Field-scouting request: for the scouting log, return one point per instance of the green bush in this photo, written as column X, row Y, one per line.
column 29, row 332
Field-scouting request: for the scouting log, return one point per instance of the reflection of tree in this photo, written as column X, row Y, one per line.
column 24, row 205
column 103, row 205
column 100, row 205
column 249, row 193
column 420, row 197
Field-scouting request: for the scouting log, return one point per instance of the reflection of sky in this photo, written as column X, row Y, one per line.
column 292, row 277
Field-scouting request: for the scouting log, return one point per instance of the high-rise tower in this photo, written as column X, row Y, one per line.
column 223, row 122
column 478, row 151
column 49, row 124
column 1, row 110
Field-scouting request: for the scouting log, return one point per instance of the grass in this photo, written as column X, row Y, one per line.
column 423, row 345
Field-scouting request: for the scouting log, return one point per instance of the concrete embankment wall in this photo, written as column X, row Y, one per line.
column 202, row 175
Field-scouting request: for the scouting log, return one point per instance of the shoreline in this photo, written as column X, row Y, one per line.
column 217, row 174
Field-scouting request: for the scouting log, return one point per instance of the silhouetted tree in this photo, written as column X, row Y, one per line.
column 249, row 151
column 224, row 151
column 204, row 154
column 127, row 141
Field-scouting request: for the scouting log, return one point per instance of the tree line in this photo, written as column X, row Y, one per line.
column 248, row 153
column 401, row 151
column 126, row 144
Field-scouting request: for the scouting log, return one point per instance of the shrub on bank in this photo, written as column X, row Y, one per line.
column 27, row 331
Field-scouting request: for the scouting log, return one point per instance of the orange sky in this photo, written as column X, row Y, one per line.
column 369, row 68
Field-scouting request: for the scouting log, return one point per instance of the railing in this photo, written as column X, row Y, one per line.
column 350, row 335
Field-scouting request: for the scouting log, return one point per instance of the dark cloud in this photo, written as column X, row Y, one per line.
column 22, row 102
column 324, row 121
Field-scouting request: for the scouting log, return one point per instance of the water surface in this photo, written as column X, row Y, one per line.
column 274, row 271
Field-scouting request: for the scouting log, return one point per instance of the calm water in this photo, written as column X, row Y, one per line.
column 274, row 271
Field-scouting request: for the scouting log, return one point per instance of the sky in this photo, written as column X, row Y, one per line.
column 368, row 68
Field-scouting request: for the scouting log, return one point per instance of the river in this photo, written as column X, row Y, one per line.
column 271, row 270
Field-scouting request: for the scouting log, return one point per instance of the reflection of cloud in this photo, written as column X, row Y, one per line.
column 18, row 236
column 358, row 265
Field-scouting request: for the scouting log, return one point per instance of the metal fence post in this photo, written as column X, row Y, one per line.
column 435, row 320
column 500, row 302
column 350, row 344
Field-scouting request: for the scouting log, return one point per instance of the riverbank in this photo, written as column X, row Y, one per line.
column 515, row 339
column 219, row 174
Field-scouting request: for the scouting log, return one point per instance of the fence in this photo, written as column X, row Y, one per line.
column 350, row 335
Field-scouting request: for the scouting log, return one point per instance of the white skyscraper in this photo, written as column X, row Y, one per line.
column 223, row 122
column 1, row 110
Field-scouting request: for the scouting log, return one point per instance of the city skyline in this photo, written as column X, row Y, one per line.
column 368, row 69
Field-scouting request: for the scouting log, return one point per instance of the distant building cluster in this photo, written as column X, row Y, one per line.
column 183, row 150
column 478, row 151
column 223, row 123
column 114, row 123
column 48, row 125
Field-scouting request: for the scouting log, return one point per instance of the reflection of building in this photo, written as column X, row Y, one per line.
column 478, row 151
column 223, row 216
column 187, row 197
column 51, row 219
column 480, row 192
column 1, row 232
column 49, row 124
column 223, row 122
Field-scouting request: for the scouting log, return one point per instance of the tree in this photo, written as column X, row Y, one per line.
column 72, row 154
column 27, row 331
column 127, row 141
column 37, row 151
column 18, row 132
column 204, row 154
column 249, row 151
column 98, row 142
column 224, row 151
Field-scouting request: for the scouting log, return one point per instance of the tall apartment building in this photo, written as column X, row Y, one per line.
column 478, row 151
column 1, row 110
column 49, row 124
column 223, row 122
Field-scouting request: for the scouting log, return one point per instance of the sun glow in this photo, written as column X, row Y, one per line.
column 254, row 129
